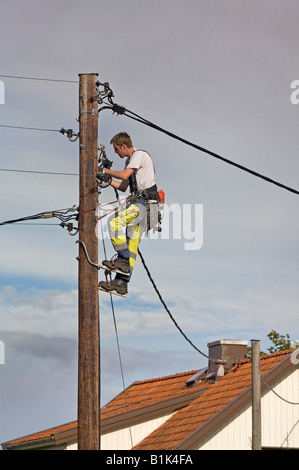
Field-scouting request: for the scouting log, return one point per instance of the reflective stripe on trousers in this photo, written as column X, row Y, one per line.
column 126, row 228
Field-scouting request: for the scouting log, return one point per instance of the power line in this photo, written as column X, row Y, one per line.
column 232, row 361
column 118, row 344
column 209, row 152
column 121, row 110
column 39, row 79
column 41, row 172
column 36, row 224
column 157, row 291
column 30, row 128
column 65, row 215
column 167, row 309
column 126, row 112
column 278, row 396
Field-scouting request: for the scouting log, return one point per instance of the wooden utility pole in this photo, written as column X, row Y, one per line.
column 256, row 396
column 88, row 326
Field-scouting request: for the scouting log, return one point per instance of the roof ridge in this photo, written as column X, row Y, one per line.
column 215, row 400
column 204, row 397
column 165, row 377
column 284, row 352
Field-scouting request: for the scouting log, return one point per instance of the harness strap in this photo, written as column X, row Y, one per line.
column 150, row 193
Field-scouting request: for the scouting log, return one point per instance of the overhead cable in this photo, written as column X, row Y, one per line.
column 232, row 361
column 30, row 128
column 39, row 79
column 45, row 172
column 118, row 344
column 65, row 215
column 121, row 110
column 71, row 135
column 209, row 152
column 167, row 309
column 278, row 396
column 98, row 266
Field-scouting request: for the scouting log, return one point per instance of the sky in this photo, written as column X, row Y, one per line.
column 218, row 74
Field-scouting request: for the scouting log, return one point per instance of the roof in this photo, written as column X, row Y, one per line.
column 148, row 392
column 142, row 394
column 47, row 434
column 183, row 425
column 196, row 410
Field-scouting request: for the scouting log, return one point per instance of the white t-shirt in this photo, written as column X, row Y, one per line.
column 142, row 162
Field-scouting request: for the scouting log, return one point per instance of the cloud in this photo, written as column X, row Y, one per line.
column 38, row 383
column 218, row 75
column 42, row 312
column 58, row 351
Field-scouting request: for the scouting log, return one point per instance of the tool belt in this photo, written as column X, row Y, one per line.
column 154, row 203
column 147, row 194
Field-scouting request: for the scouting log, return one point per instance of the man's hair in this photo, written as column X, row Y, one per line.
column 122, row 138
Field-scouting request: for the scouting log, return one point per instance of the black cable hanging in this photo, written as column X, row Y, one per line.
column 117, row 336
column 64, row 215
column 167, row 309
column 121, row 110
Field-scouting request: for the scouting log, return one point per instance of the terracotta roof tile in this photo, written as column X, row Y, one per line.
column 219, row 395
column 139, row 394
column 188, row 419
column 40, row 435
column 147, row 392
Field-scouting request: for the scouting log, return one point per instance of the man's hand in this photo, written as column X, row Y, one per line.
column 104, row 180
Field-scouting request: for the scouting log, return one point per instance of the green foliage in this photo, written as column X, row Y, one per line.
column 280, row 342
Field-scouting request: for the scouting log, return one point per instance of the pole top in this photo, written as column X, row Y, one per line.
column 80, row 74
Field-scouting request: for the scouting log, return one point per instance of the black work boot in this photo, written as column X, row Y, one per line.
column 117, row 286
column 120, row 265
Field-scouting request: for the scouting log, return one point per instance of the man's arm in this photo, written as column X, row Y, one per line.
column 123, row 175
column 120, row 175
column 119, row 185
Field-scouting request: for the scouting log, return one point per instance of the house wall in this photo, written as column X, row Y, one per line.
column 128, row 437
column 280, row 425
column 280, row 421
column 234, row 435
column 72, row 446
column 122, row 438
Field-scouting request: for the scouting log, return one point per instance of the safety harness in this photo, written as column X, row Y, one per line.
column 151, row 198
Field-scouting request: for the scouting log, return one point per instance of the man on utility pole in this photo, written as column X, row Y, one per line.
column 128, row 224
column 88, row 324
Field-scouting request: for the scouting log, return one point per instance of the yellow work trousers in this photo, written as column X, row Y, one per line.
column 126, row 229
